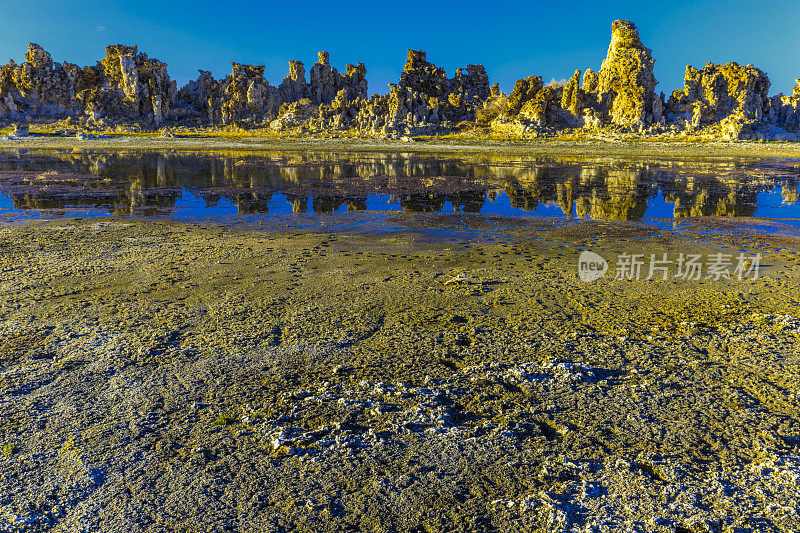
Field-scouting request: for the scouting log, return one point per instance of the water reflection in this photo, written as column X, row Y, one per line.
column 136, row 183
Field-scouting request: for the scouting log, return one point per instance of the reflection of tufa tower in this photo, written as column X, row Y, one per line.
column 789, row 194
column 606, row 190
column 565, row 198
column 299, row 203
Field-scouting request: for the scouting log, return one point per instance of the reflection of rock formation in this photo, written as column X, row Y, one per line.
column 329, row 204
column 252, row 203
column 714, row 198
column 138, row 183
column 468, row 201
column 624, row 198
column 615, row 207
column 52, row 190
column 524, row 199
column 789, row 193
column 299, row 203
column 423, row 202
column 326, row 204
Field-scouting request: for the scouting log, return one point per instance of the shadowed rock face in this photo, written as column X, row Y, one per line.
column 524, row 91
column 294, row 86
column 784, row 111
column 324, row 80
column 729, row 101
column 144, row 83
column 420, row 76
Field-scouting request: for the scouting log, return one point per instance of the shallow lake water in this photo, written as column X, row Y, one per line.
column 346, row 188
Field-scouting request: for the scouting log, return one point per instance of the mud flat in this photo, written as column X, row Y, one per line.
column 584, row 146
column 160, row 376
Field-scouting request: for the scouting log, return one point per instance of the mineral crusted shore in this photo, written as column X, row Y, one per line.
column 127, row 91
column 168, row 377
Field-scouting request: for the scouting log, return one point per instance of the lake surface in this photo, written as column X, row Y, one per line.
column 352, row 187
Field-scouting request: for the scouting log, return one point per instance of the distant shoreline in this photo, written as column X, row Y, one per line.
column 585, row 147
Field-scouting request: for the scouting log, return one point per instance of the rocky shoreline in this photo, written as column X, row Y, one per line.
column 160, row 376
column 129, row 92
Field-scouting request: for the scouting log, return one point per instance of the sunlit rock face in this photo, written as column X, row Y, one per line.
column 125, row 85
column 534, row 107
column 525, row 90
column 716, row 92
column 37, row 87
column 626, row 83
column 425, row 100
column 331, row 101
column 573, row 97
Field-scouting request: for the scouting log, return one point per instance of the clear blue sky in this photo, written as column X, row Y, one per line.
column 512, row 39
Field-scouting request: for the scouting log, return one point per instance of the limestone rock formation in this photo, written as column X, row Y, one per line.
column 572, row 98
column 331, row 101
column 422, row 77
column 37, row 87
column 295, row 115
column 355, row 80
column 533, row 107
column 626, row 83
column 294, row 86
column 524, row 91
column 41, row 82
column 494, row 105
column 196, row 100
column 717, row 91
column 324, row 80
column 127, row 87
column 731, row 98
column 472, row 82
column 785, row 111
column 245, row 95
column 425, row 100
column 144, row 83
column 590, row 81
column 545, row 103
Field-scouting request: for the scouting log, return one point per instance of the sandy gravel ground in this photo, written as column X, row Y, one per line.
column 585, row 147
column 164, row 376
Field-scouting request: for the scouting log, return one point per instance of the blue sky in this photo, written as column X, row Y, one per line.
column 512, row 39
